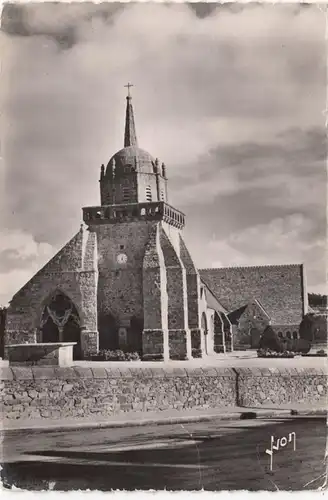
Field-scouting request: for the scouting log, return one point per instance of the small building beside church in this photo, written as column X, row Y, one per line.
column 126, row 280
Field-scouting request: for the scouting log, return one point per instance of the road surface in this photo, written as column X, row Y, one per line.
column 214, row 455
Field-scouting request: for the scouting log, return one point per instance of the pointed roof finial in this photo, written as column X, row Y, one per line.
column 128, row 85
column 130, row 136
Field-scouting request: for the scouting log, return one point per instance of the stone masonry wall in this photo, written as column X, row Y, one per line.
column 54, row 392
column 120, row 285
column 277, row 386
column 78, row 392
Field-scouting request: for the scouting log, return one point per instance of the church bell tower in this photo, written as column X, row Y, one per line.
column 142, row 261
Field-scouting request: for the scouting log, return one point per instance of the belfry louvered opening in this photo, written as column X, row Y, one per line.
column 148, row 193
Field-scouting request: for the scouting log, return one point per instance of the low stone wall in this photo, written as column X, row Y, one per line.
column 55, row 392
column 45, row 354
column 277, row 386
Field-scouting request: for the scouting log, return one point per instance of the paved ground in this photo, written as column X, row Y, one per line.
column 223, row 361
column 215, row 455
column 235, row 359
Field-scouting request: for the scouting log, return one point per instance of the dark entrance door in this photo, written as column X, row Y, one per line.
column 72, row 333
column 135, row 335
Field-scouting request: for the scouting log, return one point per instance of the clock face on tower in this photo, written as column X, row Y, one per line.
column 121, row 258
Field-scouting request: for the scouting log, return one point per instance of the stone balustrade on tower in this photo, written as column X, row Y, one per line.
column 129, row 212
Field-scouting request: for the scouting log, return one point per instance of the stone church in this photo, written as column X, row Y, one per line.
column 126, row 280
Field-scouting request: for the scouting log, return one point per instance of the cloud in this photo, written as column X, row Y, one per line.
column 231, row 99
column 282, row 241
column 21, row 258
column 247, row 184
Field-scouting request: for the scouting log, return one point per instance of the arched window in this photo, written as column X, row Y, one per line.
column 205, row 331
column 295, row 335
column 204, row 323
column 148, row 193
column 288, row 335
column 280, row 335
column 212, row 323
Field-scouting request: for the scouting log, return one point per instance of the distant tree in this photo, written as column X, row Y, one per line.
column 317, row 300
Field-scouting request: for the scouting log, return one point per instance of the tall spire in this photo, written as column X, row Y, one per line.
column 130, row 136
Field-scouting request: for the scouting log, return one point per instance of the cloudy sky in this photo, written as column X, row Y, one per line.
column 230, row 97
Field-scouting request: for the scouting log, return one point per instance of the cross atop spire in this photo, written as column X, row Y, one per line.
column 129, row 85
column 130, row 136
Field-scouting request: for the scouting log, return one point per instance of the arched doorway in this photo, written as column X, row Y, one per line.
column 205, row 330
column 108, row 331
column 60, row 322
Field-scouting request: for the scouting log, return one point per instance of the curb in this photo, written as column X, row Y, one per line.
column 240, row 415
column 319, row 412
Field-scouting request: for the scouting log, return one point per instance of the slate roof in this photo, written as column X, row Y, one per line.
column 212, row 301
column 279, row 289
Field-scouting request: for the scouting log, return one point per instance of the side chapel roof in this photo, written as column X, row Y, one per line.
column 279, row 289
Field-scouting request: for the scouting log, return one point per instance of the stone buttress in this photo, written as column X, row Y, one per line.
column 88, row 279
column 155, row 300
column 166, row 332
column 193, row 296
column 179, row 333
